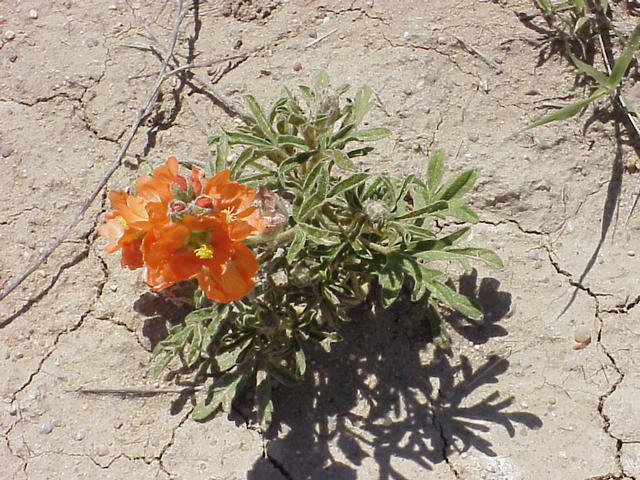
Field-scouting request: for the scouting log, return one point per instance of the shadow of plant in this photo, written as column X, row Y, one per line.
column 379, row 404
column 495, row 305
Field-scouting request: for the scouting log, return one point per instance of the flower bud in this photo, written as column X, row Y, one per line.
column 196, row 175
column 177, row 206
column 204, row 202
column 180, row 182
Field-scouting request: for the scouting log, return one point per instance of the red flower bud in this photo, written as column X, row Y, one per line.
column 180, row 181
column 195, row 181
column 177, row 207
column 204, row 202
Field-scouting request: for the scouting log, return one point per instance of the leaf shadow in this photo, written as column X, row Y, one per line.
column 379, row 407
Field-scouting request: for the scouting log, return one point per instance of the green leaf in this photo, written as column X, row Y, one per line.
column 369, row 134
column 290, row 141
column 453, row 299
column 263, row 398
column 221, row 394
column 434, row 207
column 568, row 111
column 196, row 343
column 457, row 186
column 222, row 152
column 296, row 246
column 390, row 279
column 342, row 160
column 199, row 315
column 438, row 244
column 162, row 363
column 434, row 170
column 321, row 80
column 459, row 209
column 264, row 126
column 246, row 157
column 441, row 338
column 482, row 254
column 587, row 69
column 621, row 65
column 348, row 183
column 326, row 339
column 282, row 374
column 301, row 361
column 545, row 6
column 359, row 152
column 320, row 235
column 361, row 106
column 247, row 139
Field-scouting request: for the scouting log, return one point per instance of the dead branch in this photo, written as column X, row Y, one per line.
column 143, row 113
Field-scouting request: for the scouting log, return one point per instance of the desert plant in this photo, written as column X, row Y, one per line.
column 326, row 235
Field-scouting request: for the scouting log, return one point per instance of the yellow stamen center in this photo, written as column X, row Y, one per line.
column 229, row 215
column 122, row 222
column 204, row 252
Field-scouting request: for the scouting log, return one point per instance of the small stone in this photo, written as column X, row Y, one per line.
column 569, row 227
column 313, row 34
column 46, row 428
column 9, row 35
column 79, row 435
column 101, row 449
column 6, row 150
column 33, row 14
column 631, row 253
column 57, row 422
column 13, row 58
column 113, row 287
column 237, row 45
column 525, row 363
column 13, row 410
column 407, row 91
column 473, row 136
column 562, row 454
column 582, row 335
column 92, row 42
column 19, row 355
column 442, row 40
column 297, row 66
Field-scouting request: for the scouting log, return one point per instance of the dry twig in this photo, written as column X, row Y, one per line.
column 143, row 113
column 479, row 54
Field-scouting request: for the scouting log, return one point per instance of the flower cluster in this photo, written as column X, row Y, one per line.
column 181, row 229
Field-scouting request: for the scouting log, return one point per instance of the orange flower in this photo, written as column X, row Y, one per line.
column 233, row 202
column 199, row 248
column 236, row 279
column 182, row 229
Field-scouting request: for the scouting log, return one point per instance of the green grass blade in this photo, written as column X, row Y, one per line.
column 568, row 111
column 621, row 65
column 587, row 69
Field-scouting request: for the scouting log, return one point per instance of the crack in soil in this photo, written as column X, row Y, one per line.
column 169, row 444
column 446, row 444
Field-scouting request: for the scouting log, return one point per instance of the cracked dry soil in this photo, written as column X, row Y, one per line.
column 513, row 400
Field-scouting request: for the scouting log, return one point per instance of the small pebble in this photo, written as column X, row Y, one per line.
column 569, row 227
column 13, row 410
column 101, row 449
column 9, row 35
column 408, row 91
column 46, row 428
column 33, row 14
column 79, row 435
column 297, row 66
column 113, row 287
column 13, row 58
column 237, row 45
column 19, row 355
column 474, row 136
column 6, row 150
column 631, row 253
column 562, row 454
column 442, row 40
column 582, row 335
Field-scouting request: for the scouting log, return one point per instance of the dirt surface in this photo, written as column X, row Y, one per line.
column 514, row 399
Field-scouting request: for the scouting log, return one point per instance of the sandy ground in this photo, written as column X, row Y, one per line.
column 513, row 400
